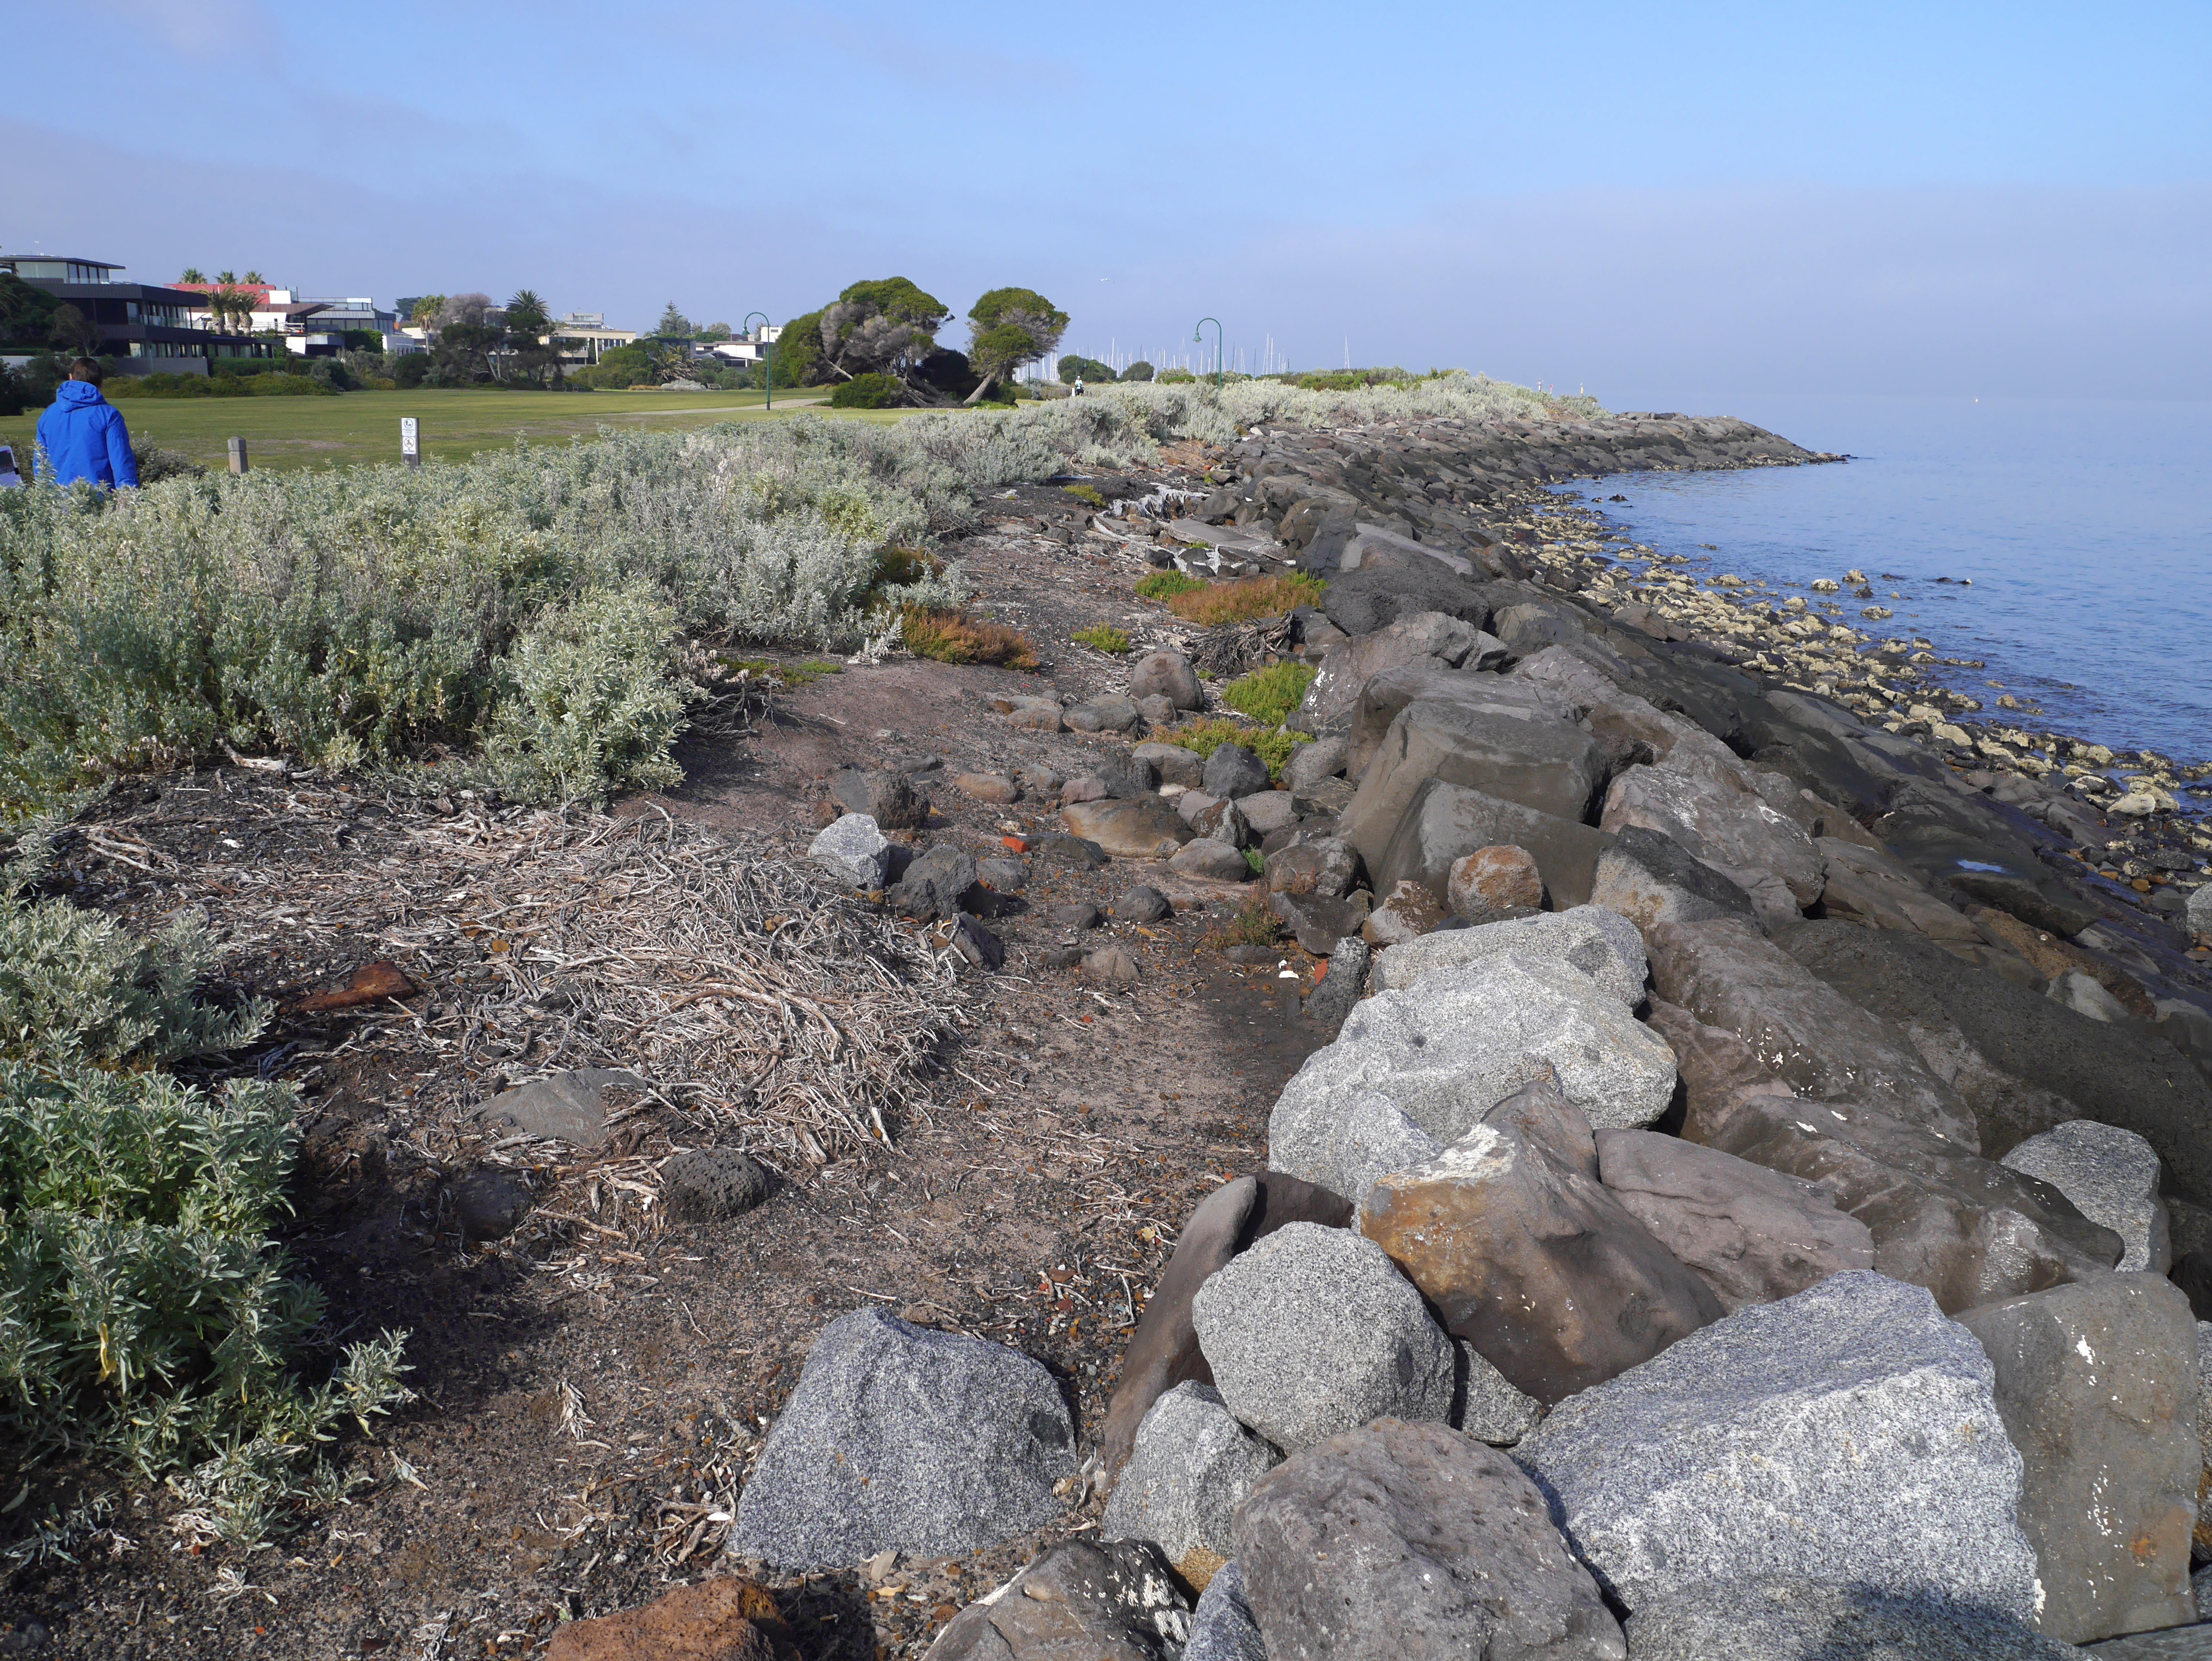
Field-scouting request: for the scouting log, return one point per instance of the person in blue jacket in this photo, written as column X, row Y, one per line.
column 81, row 434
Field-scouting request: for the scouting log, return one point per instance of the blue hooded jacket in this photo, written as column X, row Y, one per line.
column 83, row 437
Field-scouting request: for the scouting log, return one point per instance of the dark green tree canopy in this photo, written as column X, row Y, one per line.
column 1075, row 367
column 1139, row 370
column 897, row 298
column 674, row 322
column 1011, row 327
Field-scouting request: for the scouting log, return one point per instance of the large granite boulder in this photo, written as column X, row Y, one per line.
column 1314, row 1331
column 1222, row 1627
column 900, row 1439
column 1754, row 1236
column 2098, row 1386
column 2110, row 1176
column 1372, row 1140
column 1082, row 1600
column 1445, row 823
column 1463, row 1041
column 1787, row 1619
column 1164, row 1350
column 1848, row 1436
column 2022, row 1062
column 1526, row 1255
column 1434, row 1544
column 1603, row 944
column 1821, row 1043
column 1192, row 1466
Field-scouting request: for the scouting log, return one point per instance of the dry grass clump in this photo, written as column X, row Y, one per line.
column 953, row 636
column 1241, row 602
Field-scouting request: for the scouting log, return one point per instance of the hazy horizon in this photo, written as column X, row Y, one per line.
column 1995, row 202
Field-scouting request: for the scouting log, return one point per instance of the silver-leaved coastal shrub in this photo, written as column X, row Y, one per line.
column 146, row 1314
column 345, row 617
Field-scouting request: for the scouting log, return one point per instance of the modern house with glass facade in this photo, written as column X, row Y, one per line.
column 144, row 327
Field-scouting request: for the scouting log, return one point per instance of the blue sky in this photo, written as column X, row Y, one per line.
column 1665, row 204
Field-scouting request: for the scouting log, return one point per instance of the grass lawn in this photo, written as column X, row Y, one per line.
column 364, row 427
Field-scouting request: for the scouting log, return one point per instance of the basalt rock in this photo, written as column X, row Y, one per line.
column 1527, row 1256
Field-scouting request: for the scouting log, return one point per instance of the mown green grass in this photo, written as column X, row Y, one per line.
column 457, row 422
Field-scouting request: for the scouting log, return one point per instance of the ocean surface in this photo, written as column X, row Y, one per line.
column 2085, row 525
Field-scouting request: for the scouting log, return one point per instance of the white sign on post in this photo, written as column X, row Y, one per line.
column 409, row 441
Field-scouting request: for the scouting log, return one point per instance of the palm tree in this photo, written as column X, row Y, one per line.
column 226, row 277
column 192, row 275
column 252, row 277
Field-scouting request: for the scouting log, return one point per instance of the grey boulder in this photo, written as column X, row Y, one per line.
column 1217, row 861
column 1171, row 763
column 1848, row 1436
column 1603, row 944
column 1232, row 770
column 1426, row 639
column 1729, row 827
column 1463, row 1040
column 1488, row 1408
column 1222, row 1627
column 1443, row 824
column 1650, row 879
column 1497, row 737
column 1434, row 1546
column 2098, row 1386
column 1373, row 1140
column 854, row 850
column 900, row 1439
column 1310, row 763
column 1082, row 1600
column 1164, row 1350
column 1314, row 1331
column 1322, row 868
column 1755, row 1236
column 887, row 797
column 2111, row 1176
column 1141, row 829
column 935, row 884
column 1167, row 673
column 1964, row 1228
column 1795, row 1620
column 1821, row 1043
column 1192, row 1466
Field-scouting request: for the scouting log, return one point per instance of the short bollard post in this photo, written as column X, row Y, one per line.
column 410, row 441
column 237, row 455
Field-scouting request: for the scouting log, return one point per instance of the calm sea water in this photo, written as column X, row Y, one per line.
column 2085, row 525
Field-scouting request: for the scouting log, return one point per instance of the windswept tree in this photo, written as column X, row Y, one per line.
column 886, row 327
column 1010, row 327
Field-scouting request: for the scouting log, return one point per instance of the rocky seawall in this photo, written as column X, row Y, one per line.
column 1754, row 1196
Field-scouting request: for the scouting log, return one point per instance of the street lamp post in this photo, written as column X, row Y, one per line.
column 1220, row 355
column 748, row 324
